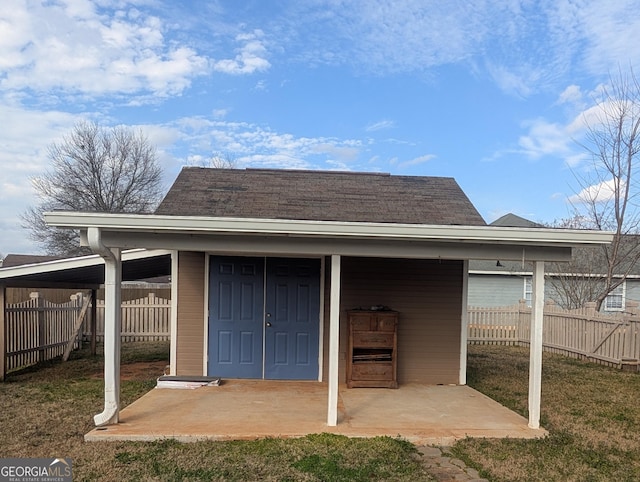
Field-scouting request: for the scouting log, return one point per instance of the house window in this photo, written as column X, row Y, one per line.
column 615, row 300
column 528, row 290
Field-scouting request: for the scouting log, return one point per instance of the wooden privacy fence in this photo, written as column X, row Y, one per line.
column 143, row 319
column 610, row 339
column 37, row 330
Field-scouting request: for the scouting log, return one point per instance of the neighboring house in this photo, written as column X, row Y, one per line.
column 504, row 283
column 266, row 264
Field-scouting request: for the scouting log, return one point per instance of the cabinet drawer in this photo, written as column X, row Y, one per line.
column 387, row 323
column 372, row 371
column 361, row 323
column 373, row 339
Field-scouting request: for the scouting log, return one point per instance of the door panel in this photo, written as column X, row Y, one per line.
column 293, row 311
column 243, row 323
column 236, row 299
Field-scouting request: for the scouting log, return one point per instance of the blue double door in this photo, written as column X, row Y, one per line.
column 264, row 318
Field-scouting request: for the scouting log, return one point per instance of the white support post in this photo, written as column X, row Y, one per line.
column 112, row 323
column 334, row 341
column 535, row 345
column 464, row 322
column 173, row 351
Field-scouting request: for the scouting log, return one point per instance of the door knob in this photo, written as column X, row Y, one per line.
column 268, row 323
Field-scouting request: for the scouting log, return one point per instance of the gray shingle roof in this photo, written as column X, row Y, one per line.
column 511, row 220
column 19, row 259
column 318, row 196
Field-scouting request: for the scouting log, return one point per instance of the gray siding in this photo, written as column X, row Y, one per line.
column 495, row 290
column 633, row 290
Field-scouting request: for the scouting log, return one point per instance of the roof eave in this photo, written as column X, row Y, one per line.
column 334, row 229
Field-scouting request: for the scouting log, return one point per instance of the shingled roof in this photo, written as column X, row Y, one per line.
column 318, row 196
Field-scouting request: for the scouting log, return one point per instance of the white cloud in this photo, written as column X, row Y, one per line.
column 380, row 125
column 24, row 140
column 251, row 56
column 598, row 193
column 609, row 35
column 251, row 144
column 545, row 138
column 418, row 160
column 571, row 95
column 77, row 48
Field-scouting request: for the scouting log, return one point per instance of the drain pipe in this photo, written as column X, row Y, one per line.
column 112, row 322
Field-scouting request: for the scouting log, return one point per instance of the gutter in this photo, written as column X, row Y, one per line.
column 112, row 322
column 156, row 224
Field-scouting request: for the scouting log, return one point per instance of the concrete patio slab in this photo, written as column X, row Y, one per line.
column 249, row 409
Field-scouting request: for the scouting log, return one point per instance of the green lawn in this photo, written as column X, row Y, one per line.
column 592, row 413
column 47, row 410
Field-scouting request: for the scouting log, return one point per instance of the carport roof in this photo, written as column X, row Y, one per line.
column 85, row 271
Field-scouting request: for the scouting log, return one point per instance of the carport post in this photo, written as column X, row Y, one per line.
column 535, row 344
column 334, row 341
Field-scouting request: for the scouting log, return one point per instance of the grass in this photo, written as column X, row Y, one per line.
column 47, row 409
column 592, row 414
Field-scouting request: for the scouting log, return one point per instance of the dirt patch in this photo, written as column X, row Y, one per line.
column 139, row 370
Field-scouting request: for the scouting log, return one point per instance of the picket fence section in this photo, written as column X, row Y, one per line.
column 610, row 339
column 38, row 330
column 143, row 319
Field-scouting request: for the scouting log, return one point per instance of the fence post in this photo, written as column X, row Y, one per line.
column 522, row 306
column 94, row 319
column 629, row 360
column 3, row 333
column 41, row 331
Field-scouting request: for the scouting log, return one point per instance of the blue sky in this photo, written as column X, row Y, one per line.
column 488, row 92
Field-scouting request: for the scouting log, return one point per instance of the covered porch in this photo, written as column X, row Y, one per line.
column 344, row 411
column 249, row 409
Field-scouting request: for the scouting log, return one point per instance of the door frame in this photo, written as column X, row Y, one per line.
column 321, row 323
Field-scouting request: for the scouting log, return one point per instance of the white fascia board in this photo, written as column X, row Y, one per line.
column 549, row 275
column 451, row 233
column 77, row 262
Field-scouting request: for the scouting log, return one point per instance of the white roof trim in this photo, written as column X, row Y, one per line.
column 77, row 262
column 333, row 229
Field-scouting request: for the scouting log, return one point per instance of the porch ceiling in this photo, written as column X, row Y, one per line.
column 246, row 409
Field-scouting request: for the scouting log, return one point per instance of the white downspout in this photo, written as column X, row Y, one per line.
column 112, row 321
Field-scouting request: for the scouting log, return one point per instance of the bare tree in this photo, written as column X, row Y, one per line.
column 608, row 196
column 582, row 279
column 218, row 160
column 94, row 169
column 223, row 161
